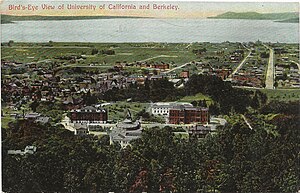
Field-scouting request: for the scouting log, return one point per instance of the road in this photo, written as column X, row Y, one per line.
column 270, row 70
column 87, row 66
column 176, row 68
column 41, row 61
column 240, row 65
column 160, row 56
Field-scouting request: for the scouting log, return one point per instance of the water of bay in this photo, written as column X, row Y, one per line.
column 151, row 30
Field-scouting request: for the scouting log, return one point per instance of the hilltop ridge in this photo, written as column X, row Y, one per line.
column 290, row 17
column 12, row 18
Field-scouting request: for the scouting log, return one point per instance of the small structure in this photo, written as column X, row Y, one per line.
column 184, row 74
column 81, row 129
column 32, row 116
column 30, row 149
column 199, row 131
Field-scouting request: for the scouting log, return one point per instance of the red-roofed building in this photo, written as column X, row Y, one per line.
column 187, row 115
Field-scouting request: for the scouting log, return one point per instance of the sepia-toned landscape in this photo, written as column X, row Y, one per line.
column 140, row 104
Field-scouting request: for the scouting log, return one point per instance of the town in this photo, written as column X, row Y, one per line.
column 115, row 93
column 67, row 79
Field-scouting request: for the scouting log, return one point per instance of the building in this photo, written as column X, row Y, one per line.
column 36, row 117
column 81, row 129
column 125, row 132
column 89, row 114
column 187, row 115
column 32, row 116
column 184, row 74
column 161, row 66
column 28, row 150
column 164, row 108
column 199, row 131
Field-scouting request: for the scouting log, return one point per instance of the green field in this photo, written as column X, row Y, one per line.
column 7, row 111
column 125, row 52
column 174, row 53
column 197, row 97
column 281, row 94
column 5, row 121
column 118, row 110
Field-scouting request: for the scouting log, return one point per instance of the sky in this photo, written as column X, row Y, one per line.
column 180, row 9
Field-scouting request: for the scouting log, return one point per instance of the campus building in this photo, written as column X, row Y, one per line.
column 163, row 108
column 187, row 115
column 126, row 131
column 89, row 114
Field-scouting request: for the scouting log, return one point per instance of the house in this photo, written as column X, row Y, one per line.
column 32, row 116
column 161, row 66
column 184, row 74
column 157, row 77
column 42, row 120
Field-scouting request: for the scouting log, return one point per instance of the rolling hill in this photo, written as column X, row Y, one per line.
column 291, row 17
column 12, row 18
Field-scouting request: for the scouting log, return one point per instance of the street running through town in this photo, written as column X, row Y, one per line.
column 270, row 70
column 240, row 65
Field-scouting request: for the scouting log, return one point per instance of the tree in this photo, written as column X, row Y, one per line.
column 202, row 103
column 34, row 105
column 95, row 51
column 10, row 43
column 194, row 103
column 255, row 102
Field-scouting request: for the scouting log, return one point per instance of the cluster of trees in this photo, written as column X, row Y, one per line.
column 199, row 51
column 107, row 52
column 226, row 98
column 70, row 57
column 147, row 117
column 264, row 55
column 200, row 103
column 155, row 90
column 234, row 159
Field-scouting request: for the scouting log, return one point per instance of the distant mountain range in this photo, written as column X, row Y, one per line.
column 12, row 18
column 288, row 17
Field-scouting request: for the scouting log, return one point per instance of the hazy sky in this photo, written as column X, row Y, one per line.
column 184, row 8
